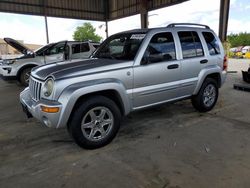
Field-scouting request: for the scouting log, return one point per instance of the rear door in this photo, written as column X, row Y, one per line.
column 157, row 80
column 193, row 59
column 80, row 51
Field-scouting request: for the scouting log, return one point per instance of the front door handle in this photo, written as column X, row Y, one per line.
column 203, row 61
column 174, row 66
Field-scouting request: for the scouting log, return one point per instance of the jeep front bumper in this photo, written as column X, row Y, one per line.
column 33, row 108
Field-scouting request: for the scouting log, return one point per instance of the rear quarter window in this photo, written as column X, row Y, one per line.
column 212, row 43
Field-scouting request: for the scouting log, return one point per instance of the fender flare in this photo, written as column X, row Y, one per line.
column 72, row 93
column 215, row 69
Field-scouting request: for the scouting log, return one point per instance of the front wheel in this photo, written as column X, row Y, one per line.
column 207, row 96
column 25, row 76
column 95, row 122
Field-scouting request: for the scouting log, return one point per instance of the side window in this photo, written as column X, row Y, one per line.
column 161, row 48
column 85, row 47
column 58, row 48
column 80, row 48
column 76, row 48
column 212, row 43
column 190, row 44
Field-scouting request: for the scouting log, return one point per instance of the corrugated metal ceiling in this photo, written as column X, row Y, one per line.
column 123, row 8
column 99, row 10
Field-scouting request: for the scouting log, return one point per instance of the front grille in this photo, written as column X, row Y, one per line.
column 35, row 89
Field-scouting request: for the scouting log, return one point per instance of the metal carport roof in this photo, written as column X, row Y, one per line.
column 99, row 10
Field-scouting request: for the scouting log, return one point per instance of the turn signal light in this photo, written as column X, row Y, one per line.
column 50, row 109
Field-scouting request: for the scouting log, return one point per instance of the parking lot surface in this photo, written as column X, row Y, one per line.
column 171, row 146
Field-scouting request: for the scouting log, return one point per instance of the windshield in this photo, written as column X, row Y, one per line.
column 40, row 51
column 121, row 46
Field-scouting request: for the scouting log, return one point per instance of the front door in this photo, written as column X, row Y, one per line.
column 55, row 53
column 156, row 80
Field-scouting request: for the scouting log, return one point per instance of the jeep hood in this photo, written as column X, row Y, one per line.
column 18, row 46
column 66, row 69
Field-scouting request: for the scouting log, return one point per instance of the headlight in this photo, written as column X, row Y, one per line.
column 48, row 87
column 8, row 62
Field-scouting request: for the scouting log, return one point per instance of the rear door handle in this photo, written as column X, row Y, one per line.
column 174, row 66
column 203, row 61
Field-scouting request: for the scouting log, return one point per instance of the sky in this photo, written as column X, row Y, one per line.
column 31, row 29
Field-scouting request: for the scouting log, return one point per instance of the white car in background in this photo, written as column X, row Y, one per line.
column 20, row 68
column 245, row 49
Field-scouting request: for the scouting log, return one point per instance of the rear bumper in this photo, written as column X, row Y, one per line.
column 33, row 108
column 223, row 77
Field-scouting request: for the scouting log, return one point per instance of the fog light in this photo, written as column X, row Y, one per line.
column 46, row 121
column 50, row 109
column 8, row 69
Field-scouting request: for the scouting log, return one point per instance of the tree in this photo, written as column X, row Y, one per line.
column 86, row 32
column 241, row 39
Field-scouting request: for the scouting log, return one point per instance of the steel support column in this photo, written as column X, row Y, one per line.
column 223, row 23
column 45, row 20
column 106, row 29
column 46, row 29
column 144, row 13
column 106, row 11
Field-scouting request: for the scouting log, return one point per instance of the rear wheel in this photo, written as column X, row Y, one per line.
column 207, row 97
column 25, row 76
column 95, row 122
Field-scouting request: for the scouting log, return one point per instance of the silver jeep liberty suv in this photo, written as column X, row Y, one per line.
column 131, row 70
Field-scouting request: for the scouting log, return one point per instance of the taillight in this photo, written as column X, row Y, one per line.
column 225, row 64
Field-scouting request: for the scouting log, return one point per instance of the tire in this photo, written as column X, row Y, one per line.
column 207, row 97
column 101, row 118
column 24, row 76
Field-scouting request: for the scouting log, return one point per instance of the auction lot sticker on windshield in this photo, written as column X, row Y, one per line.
column 138, row 36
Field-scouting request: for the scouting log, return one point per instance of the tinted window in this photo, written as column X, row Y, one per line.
column 212, row 43
column 58, row 48
column 79, row 48
column 40, row 51
column 96, row 45
column 122, row 46
column 190, row 44
column 161, row 48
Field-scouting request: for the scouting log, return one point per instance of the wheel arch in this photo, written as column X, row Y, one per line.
column 23, row 68
column 212, row 72
column 74, row 94
column 109, row 93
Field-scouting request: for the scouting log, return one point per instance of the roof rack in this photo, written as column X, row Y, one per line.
column 188, row 24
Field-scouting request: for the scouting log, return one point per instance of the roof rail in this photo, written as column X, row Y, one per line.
column 188, row 24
